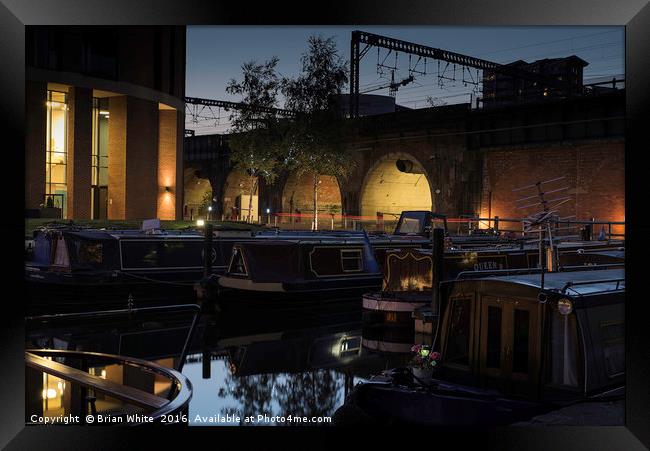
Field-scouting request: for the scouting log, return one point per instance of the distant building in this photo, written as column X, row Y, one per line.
column 371, row 104
column 500, row 89
column 105, row 120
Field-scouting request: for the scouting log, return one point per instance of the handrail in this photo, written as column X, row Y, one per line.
column 506, row 272
column 570, row 285
column 183, row 385
column 125, row 393
column 497, row 272
column 102, row 313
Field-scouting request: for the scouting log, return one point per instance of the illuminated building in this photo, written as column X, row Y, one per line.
column 104, row 127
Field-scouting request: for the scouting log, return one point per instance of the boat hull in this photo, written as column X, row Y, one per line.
column 64, row 293
column 238, row 291
column 383, row 403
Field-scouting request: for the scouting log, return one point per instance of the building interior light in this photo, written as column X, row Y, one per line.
column 104, row 113
column 200, row 222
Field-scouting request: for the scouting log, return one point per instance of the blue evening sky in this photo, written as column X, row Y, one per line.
column 215, row 53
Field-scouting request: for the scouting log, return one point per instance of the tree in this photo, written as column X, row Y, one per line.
column 255, row 144
column 314, row 142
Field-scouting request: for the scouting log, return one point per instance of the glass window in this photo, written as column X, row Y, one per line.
column 163, row 254
column 184, row 254
column 89, row 253
column 493, row 358
column 458, row 337
column 612, row 335
column 521, row 336
column 351, row 260
column 56, row 152
column 99, row 181
column 140, row 254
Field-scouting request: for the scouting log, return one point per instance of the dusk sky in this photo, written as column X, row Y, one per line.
column 215, row 53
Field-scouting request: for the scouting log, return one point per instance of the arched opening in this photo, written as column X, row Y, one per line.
column 395, row 183
column 298, row 198
column 236, row 196
column 197, row 194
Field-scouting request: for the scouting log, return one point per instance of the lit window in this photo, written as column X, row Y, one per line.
column 56, row 152
column 99, row 181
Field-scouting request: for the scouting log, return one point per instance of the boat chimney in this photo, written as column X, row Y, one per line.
column 550, row 259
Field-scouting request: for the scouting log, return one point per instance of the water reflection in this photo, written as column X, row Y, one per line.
column 300, row 363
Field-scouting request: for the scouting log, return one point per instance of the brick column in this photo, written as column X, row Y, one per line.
column 35, row 145
column 167, row 165
column 141, row 159
column 79, row 167
column 132, row 158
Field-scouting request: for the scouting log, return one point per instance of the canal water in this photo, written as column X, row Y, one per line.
column 248, row 366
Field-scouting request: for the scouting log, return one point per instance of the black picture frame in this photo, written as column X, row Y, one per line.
column 633, row 14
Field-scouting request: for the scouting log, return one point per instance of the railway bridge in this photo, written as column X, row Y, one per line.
column 456, row 160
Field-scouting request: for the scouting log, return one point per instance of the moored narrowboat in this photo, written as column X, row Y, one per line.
column 409, row 272
column 304, row 270
column 83, row 269
column 511, row 348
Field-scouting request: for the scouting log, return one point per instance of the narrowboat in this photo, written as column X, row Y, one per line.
column 409, row 272
column 511, row 347
column 75, row 269
column 307, row 270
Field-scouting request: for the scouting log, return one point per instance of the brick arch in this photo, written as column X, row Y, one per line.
column 296, row 194
column 388, row 190
column 237, row 183
column 195, row 184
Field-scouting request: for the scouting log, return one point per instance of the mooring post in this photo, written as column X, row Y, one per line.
column 438, row 250
column 207, row 251
column 205, row 363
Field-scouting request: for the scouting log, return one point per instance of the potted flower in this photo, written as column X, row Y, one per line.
column 424, row 361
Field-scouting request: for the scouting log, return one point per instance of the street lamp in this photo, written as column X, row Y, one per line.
column 209, row 212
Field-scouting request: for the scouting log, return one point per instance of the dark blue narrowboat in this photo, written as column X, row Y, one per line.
column 306, row 270
column 80, row 269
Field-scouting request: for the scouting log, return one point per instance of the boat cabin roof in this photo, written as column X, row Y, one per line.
column 569, row 283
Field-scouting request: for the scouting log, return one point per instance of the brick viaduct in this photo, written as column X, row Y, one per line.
column 461, row 161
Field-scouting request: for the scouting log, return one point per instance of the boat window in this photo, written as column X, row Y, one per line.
column 237, row 266
column 409, row 225
column 182, row 254
column 563, row 356
column 350, row 346
column 89, row 253
column 457, row 348
column 493, row 359
column 521, row 337
column 612, row 334
column 351, row 260
column 140, row 254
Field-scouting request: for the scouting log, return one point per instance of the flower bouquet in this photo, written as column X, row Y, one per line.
column 424, row 361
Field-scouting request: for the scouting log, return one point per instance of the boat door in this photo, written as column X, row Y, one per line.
column 509, row 356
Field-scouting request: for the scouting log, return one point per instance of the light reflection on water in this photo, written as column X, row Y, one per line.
column 301, row 364
column 308, row 374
